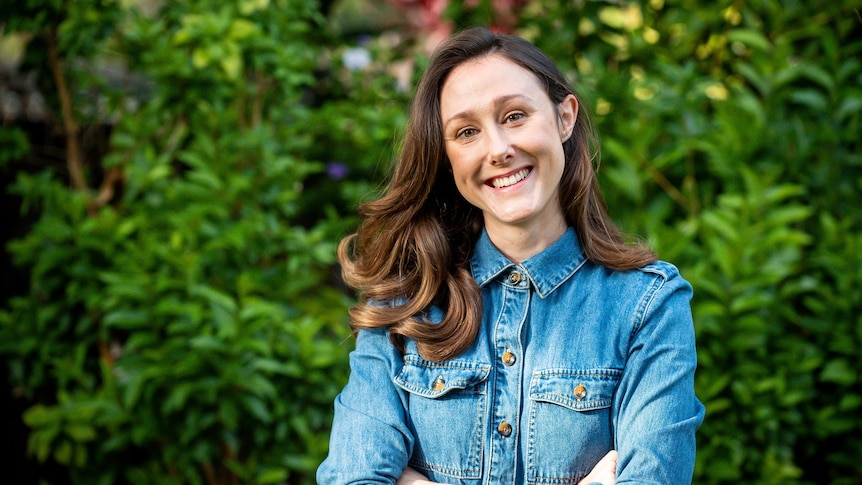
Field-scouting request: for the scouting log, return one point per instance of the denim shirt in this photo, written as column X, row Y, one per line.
column 572, row 360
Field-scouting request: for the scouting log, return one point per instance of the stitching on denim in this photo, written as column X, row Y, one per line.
column 474, row 470
column 646, row 301
column 608, row 373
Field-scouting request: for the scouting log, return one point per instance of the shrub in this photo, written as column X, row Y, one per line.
column 183, row 323
column 731, row 141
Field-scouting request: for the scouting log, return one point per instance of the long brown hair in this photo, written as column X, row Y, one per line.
column 413, row 246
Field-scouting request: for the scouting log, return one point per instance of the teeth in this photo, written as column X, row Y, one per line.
column 510, row 180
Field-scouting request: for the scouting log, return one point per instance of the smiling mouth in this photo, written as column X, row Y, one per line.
column 501, row 182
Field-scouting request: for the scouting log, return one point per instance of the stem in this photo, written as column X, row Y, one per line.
column 241, row 106
column 209, row 473
column 105, row 353
column 690, row 186
column 74, row 155
column 257, row 102
column 108, row 188
column 666, row 185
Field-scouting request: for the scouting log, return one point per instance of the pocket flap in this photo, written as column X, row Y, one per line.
column 435, row 379
column 577, row 390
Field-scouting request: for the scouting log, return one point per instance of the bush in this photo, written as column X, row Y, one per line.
column 731, row 141
column 184, row 323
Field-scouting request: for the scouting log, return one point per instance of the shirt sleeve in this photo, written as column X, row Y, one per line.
column 370, row 441
column 656, row 411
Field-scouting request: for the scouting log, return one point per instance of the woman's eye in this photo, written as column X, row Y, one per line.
column 514, row 117
column 467, row 133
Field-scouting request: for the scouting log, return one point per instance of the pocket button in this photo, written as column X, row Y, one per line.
column 580, row 392
column 438, row 383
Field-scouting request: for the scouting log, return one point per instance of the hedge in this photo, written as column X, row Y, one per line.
column 174, row 313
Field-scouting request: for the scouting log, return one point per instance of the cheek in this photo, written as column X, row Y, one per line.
column 558, row 155
column 464, row 180
column 463, row 186
column 458, row 164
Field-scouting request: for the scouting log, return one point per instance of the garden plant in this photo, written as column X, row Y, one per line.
column 172, row 311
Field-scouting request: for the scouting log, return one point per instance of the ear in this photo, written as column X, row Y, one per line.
column 568, row 114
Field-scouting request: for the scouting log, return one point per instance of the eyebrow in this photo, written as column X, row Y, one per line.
column 496, row 101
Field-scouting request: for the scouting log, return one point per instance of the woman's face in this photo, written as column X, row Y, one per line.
column 504, row 138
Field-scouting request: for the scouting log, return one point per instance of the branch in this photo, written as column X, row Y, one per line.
column 209, row 473
column 666, row 185
column 257, row 105
column 108, row 188
column 74, row 155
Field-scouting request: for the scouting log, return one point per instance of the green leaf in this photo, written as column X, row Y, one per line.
column 39, row 416
column 81, row 433
column 256, row 309
column 838, row 371
column 810, row 98
column 259, row 385
column 177, row 397
column 201, row 57
column 64, row 453
column 215, row 297
column 127, row 319
column 207, row 342
column 228, row 413
column 272, row 475
column 273, row 366
column 133, row 390
column 848, row 107
column 750, row 37
column 714, row 387
column 241, row 29
column 718, row 223
column 257, row 408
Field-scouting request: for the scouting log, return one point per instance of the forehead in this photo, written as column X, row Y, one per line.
column 477, row 81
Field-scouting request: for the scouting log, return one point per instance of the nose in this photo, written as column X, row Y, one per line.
column 499, row 147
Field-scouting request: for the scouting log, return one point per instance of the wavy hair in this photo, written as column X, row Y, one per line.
column 412, row 248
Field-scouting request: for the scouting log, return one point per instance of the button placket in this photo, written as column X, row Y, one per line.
column 515, row 298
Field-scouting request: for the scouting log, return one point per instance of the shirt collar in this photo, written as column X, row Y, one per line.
column 547, row 270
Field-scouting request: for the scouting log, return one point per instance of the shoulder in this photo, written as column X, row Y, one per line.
column 667, row 297
column 659, row 274
column 666, row 275
column 661, row 268
column 642, row 291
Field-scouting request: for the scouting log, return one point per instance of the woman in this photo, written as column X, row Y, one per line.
column 509, row 334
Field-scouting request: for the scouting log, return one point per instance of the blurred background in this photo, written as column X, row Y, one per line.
column 177, row 176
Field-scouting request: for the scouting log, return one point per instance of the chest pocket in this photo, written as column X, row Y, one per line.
column 570, row 423
column 446, row 408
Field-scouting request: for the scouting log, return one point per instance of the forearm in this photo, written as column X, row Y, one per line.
column 657, row 413
column 412, row 477
column 370, row 440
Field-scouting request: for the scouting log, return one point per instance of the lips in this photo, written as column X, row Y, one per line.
column 501, row 182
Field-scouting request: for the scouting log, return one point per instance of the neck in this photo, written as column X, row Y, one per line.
column 520, row 243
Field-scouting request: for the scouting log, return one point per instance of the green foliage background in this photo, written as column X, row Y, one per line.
column 182, row 320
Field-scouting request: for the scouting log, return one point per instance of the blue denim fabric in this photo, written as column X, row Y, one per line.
column 599, row 360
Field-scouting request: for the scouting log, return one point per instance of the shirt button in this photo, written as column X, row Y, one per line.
column 505, row 429
column 509, row 358
column 438, row 383
column 580, row 392
column 515, row 277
